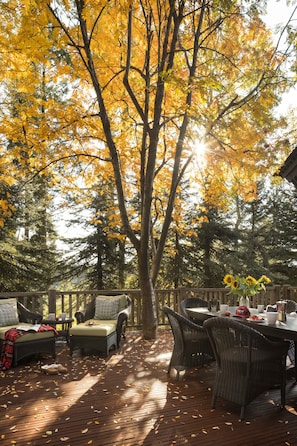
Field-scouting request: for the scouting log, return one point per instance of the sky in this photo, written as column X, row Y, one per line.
column 278, row 14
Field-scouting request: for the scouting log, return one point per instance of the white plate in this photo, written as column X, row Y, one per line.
column 257, row 321
column 202, row 310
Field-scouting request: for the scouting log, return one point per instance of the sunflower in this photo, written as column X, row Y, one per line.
column 251, row 280
column 264, row 279
column 228, row 279
column 234, row 284
column 245, row 286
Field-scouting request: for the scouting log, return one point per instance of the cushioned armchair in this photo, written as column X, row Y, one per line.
column 102, row 324
column 13, row 314
column 191, row 343
column 247, row 362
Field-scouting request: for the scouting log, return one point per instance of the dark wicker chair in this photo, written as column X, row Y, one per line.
column 191, row 344
column 291, row 307
column 87, row 340
column 192, row 302
column 41, row 344
column 247, row 362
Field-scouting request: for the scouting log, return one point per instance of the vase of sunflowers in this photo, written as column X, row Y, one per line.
column 244, row 301
column 245, row 286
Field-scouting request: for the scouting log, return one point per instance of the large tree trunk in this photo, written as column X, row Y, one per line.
column 149, row 313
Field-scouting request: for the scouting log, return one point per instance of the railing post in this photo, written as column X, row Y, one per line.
column 286, row 292
column 182, row 295
column 278, row 292
column 52, row 294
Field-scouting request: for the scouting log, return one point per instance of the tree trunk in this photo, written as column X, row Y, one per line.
column 149, row 313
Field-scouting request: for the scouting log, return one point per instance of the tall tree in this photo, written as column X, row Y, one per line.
column 97, row 260
column 278, row 232
column 144, row 77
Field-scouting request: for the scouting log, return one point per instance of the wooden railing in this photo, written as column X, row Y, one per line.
column 54, row 301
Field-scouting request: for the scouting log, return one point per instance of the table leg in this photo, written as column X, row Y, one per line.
column 295, row 353
column 66, row 326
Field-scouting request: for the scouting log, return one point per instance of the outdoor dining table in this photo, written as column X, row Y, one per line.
column 280, row 330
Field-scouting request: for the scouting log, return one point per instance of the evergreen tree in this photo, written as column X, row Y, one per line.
column 98, row 259
column 281, row 239
column 216, row 241
column 28, row 254
column 266, row 234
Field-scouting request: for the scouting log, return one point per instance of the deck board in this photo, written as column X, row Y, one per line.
column 129, row 399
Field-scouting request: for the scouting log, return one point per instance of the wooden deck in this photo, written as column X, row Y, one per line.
column 128, row 399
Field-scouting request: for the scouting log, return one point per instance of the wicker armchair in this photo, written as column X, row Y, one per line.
column 191, row 344
column 247, row 362
column 33, row 343
column 192, row 302
column 100, row 335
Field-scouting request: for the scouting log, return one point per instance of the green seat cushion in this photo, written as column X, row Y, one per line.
column 8, row 312
column 28, row 336
column 98, row 328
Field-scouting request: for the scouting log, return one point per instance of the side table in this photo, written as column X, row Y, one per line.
column 66, row 324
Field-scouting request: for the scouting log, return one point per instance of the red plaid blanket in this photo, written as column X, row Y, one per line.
column 8, row 345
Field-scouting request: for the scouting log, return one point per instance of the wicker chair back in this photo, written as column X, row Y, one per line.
column 191, row 344
column 247, row 362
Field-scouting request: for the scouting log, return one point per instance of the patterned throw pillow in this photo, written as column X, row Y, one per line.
column 121, row 297
column 123, row 301
column 8, row 313
column 106, row 309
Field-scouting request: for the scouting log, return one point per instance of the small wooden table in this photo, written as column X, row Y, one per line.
column 66, row 324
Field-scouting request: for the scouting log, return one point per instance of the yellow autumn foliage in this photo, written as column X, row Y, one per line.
column 105, row 89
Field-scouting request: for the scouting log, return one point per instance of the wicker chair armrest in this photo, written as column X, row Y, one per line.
column 80, row 316
column 193, row 326
column 194, row 332
column 278, row 346
column 128, row 309
column 122, row 316
column 273, row 346
column 122, row 321
column 28, row 316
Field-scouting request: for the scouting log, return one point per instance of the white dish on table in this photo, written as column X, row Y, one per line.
column 257, row 321
column 200, row 310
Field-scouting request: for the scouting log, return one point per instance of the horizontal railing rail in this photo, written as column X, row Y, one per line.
column 57, row 302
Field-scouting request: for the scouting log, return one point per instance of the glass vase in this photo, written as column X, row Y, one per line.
column 244, row 301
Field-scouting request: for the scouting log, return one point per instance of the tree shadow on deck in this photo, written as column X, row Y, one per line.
column 128, row 399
